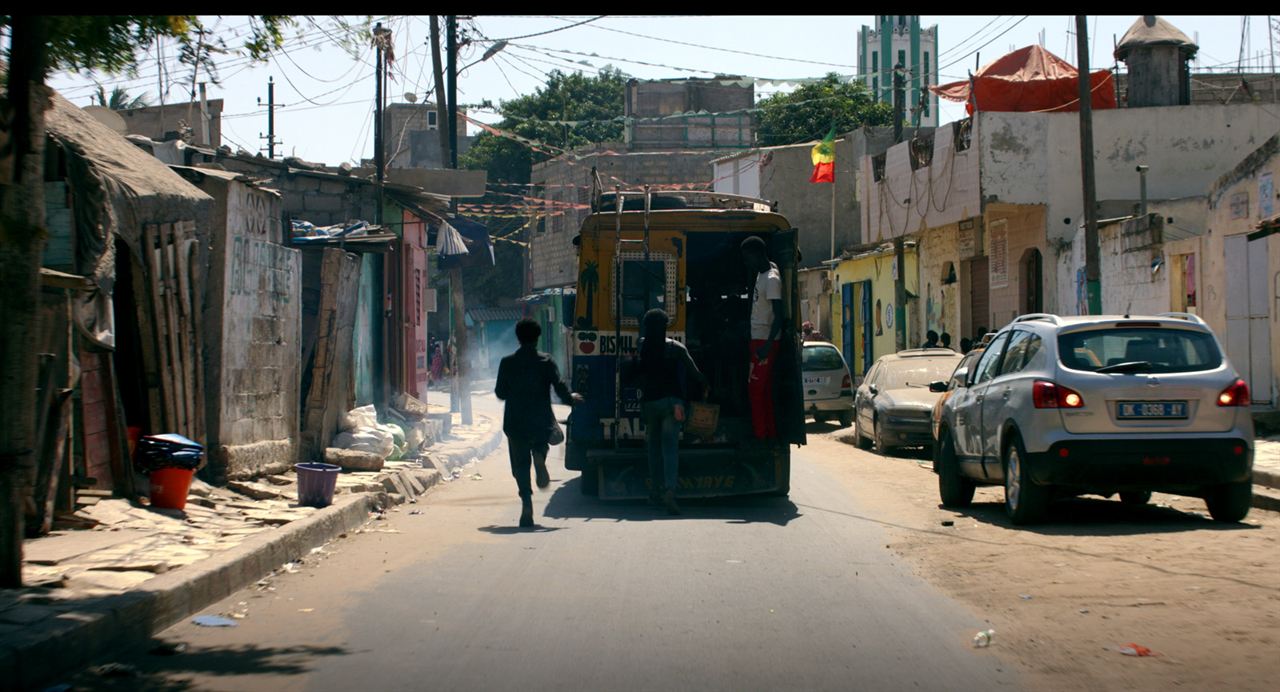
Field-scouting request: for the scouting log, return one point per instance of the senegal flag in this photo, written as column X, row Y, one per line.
column 824, row 159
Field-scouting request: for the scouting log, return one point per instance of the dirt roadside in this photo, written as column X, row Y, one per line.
column 1064, row 595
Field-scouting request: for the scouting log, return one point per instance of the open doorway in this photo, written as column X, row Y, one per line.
column 1032, row 266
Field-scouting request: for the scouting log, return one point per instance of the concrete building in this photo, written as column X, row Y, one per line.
column 688, row 113
column 1158, row 56
column 862, row 302
column 1002, row 192
column 899, row 40
column 781, row 174
column 412, row 135
column 1240, row 263
column 186, row 121
column 252, row 295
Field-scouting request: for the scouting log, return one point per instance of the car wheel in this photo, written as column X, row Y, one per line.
column 881, row 447
column 954, row 489
column 858, row 437
column 1024, row 501
column 846, row 418
column 1230, row 502
column 1136, row 497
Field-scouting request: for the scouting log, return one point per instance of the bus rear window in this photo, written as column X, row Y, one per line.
column 1139, row 350
column 644, row 286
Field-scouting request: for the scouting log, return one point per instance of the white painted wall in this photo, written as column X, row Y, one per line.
column 907, row 202
column 1034, row 157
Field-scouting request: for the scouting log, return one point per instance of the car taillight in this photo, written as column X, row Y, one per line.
column 1237, row 394
column 1047, row 394
column 847, row 382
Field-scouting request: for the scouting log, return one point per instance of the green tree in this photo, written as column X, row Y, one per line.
column 812, row 109
column 596, row 102
column 38, row 44
column 119, row 100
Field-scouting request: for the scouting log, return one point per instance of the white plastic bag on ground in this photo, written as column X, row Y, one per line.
column 372, row 440
column 362, row 417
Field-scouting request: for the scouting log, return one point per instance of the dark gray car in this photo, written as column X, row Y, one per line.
column 893, row 406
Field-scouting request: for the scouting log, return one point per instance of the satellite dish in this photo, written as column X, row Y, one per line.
column 410, row 97
column 108, row 117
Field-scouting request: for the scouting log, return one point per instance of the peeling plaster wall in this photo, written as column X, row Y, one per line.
column 1034, row 158
column 939, row 256
column 1235, row 207
column 908, row 201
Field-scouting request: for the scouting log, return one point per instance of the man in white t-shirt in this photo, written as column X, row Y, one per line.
column 766, row 327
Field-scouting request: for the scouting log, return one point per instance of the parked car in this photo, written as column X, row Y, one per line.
column 892, row 406
column 1103, row 405
column 949, row 386
column 828, row 389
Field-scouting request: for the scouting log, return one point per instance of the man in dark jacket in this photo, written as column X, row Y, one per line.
column 525, row 379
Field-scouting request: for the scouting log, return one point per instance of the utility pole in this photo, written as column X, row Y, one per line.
column 899, row 249
column 1092, row 273
column 442, row 105
column 461, row 374
column 271, row 119
column 379, row 145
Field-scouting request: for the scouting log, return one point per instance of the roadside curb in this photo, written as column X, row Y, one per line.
column 1270, row 479
column 78, row 637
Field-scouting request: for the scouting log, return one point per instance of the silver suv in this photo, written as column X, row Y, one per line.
column 1099, row 404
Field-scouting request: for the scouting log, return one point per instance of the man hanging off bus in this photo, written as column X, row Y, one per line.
column 767, row 318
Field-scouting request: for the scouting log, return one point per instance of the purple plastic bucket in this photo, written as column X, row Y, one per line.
column 316, row 483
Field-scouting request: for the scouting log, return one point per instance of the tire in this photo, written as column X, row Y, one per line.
column 1024, row 501
column 858, row 437
column 878, row 438
column 819, row 418
column 1230, row 502
column 589, row 482
column 1136, row 497
column 953, row 488
column 846, row 418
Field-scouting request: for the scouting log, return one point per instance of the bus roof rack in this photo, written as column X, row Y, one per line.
column 1037, row 316
column 1192, row 318
column 677, row 199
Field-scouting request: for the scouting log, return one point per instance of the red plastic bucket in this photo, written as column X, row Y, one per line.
column 169, row 487
column 316, row 483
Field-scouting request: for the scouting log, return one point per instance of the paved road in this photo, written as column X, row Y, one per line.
column 737, row 594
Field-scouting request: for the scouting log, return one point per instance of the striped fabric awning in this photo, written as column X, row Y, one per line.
column 449, row 241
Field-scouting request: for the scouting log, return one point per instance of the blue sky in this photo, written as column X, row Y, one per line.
column 327, row 91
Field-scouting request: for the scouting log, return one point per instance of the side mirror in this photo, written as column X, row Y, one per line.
column 961, row 378
column 873, row 389
column 938, row 387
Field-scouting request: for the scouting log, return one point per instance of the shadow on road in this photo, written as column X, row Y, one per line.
column 165, row 673
column 816, row 428
column 510, row 530
column 1094, row 516
column 568, row 502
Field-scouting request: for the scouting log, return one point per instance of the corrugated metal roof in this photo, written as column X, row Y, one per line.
column 494, row 314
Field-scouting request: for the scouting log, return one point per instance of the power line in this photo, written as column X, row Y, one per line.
column 550, row 31
column 942, row 54
column 975, row 50
column 722, row 50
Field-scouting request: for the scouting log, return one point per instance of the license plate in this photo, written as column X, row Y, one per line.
column 1129, row 410
column 814, row 379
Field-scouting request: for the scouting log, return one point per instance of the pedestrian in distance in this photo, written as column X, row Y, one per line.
column 525, row 381
column 930, row 339
column 665, row 370
column 766, row 326
column 945, row 340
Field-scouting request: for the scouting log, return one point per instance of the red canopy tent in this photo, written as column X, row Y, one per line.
column 1028, row 80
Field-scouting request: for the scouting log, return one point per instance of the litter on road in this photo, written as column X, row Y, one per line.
column 213, row 621
column 982, row 639
column 1132, row 649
